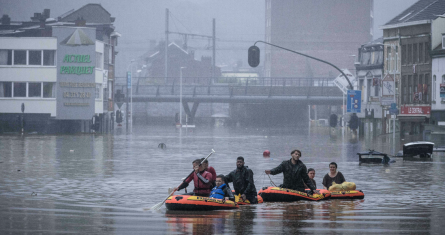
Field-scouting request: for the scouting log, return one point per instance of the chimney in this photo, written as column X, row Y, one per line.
column 46, row 13
column 80, row 21
column 36, row 17
column 6, row 20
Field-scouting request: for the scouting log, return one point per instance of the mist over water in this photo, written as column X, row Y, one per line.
column 103, row 183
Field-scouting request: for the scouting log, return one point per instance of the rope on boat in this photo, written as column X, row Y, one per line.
column 272, row 181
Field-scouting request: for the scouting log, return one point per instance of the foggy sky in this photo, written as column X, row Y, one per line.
column 239, row 23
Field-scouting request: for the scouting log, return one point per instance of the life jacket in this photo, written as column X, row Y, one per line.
column 201, row 187
column 218, row 192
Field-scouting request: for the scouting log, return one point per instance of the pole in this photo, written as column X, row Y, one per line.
column 394, row 117
column 126, row 101
column 131, row 96
column 343, row 118
column 180, row 96
column 214, row 51
column 166, row 47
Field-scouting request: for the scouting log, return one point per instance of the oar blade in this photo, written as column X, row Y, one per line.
column 157, row 206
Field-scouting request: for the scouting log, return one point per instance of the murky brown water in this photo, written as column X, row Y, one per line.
column 102, row 184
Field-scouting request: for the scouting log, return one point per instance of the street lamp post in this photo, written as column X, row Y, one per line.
column 129, row 85
column 180, row 96
column 395, row 100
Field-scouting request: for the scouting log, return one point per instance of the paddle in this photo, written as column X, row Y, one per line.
column 158, row 206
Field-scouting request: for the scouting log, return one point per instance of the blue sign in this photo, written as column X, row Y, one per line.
column 354, row 101
column 129, row 79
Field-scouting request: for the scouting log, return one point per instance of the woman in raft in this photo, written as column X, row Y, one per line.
column 332, row 176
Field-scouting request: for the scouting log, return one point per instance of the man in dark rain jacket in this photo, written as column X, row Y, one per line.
column 242, row 179
column 295, row 173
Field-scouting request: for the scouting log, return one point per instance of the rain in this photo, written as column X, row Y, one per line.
column 222, row 117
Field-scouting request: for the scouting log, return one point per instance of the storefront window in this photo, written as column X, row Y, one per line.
column 48, row 57
column 5, row 57
column 19, row 57
column 5, row 89
column 34, row 89
column 35, row 57
column 49, row 90
column 19, row 89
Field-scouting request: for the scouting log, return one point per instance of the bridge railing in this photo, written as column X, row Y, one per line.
column 232, row 81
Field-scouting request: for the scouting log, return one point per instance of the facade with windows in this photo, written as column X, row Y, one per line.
column 31, row 72
column 57, row 76
column 369, row 70
column 438, row 84
column 412, row 35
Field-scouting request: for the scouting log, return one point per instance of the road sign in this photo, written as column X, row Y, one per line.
column 394, row 111
column 129, row 79
column 342, row 83
column 354, row 101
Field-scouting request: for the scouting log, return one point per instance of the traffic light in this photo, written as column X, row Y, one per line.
column 119, row 97
column 333, row 120
column 254, row 56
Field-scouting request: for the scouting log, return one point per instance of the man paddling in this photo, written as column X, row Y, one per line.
column 295, row 173
column 242, row 178
column 201, row 178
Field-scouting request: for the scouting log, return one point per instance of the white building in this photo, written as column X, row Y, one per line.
column 438, row 89
column 58, row 75
column 31, row 73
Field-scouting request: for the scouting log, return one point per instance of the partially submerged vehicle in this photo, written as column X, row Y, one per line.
column 418, row 151
column 372, row 156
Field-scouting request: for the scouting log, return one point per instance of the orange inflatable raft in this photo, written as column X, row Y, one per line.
column 277, row 194
column 196, row 203
column 350, row 194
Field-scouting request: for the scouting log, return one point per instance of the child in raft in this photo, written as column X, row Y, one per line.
column 332, row 176
column 221, row 190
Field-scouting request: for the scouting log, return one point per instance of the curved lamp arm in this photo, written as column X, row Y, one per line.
column 350, row 84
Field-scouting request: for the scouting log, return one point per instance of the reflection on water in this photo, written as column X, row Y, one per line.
column 101, row 184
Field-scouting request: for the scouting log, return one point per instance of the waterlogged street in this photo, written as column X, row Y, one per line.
column 105, row 183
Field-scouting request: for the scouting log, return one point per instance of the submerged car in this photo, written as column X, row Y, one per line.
column 373, row 157
column 419, row 150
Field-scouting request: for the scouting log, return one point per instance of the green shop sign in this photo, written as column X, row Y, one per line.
column 76, row 69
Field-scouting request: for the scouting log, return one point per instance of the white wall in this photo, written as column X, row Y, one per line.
column 438, row 70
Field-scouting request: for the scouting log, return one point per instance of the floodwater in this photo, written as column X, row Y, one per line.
column 103, row 184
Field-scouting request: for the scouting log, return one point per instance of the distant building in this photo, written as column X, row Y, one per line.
column 369, row 76
column 438, row 84
column 194, row 71
column 409, row 38
column 325, row 29
column 60, row 70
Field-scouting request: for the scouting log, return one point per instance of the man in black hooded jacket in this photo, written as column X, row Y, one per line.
column 242, row 179
column 295, row 173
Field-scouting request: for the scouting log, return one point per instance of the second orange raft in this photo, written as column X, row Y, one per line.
column 277, row 194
